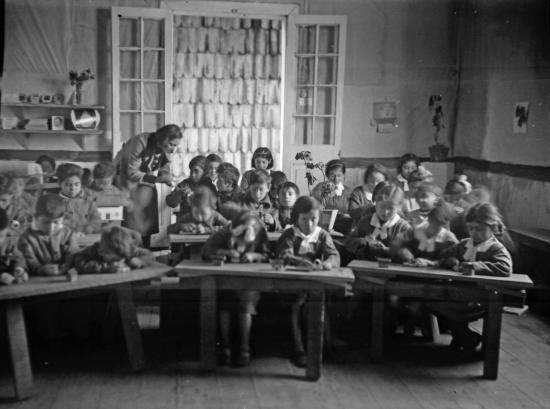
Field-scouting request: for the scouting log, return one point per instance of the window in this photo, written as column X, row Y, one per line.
column 141, row 67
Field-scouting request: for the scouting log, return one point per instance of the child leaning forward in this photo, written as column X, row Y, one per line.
column 244, row 241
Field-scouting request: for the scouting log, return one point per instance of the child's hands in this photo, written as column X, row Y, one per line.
column 88, row 230
column 118, row 267
column 188, row 228
column 201, row 229
column 50, row 270
column 136, row 262
column 79, row 234
column 375, row 244
column 268, row 219
column 325, row 265
column 251, row 257
column 424, row 262
column 20, row 275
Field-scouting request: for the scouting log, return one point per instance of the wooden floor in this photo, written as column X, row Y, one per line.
column 415, row 376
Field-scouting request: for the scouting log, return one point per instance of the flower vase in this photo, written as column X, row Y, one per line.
column 78, row 94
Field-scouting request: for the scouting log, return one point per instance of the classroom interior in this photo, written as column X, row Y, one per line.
column 464, row 85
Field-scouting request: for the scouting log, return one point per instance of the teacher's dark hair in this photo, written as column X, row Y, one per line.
column 167, row 133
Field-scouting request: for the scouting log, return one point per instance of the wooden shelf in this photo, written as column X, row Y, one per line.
column 29, row 105
column 47, row 131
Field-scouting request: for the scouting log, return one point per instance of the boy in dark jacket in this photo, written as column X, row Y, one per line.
column 47, row 244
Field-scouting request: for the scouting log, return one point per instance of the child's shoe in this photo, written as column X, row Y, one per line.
column 225, row 357
column 300, row 359
column 243, row 359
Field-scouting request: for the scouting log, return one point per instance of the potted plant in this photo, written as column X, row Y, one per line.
column 438, row 151
column 78, row 80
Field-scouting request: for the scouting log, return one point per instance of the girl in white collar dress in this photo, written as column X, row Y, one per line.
column 481, row 254
column 382, row 228
column 308, row 245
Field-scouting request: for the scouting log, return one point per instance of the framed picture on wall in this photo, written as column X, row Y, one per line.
column 57, row 123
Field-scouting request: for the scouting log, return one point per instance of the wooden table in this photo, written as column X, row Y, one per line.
column 12, row 297
column 439, row 284
column 261, row 277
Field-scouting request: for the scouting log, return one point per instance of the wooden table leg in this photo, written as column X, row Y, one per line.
column 377, row 323
column 208, row 321
column 130, row 326
column 492, row 323
column 19, row 350
column 316, row 319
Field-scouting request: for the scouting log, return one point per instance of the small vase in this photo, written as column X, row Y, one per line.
column 78, row 95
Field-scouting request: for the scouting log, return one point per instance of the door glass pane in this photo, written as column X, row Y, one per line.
column 304, row 130
column 328, row 39
column 326, row 101
column 324, row 131
column 129, row 32
column 153, row 64
column 153, row 33
column 129, row 126
column 306, row 39
column 152, row 122
column 326, row 71
column 306, row 70
column 154, row 96
column 130, row 64
column 304, row 102
column 130, row 97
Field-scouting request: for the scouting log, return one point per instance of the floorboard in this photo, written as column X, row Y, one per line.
column 415, row 375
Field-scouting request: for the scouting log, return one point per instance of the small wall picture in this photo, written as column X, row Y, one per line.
column 521, row 117
column 58, row 123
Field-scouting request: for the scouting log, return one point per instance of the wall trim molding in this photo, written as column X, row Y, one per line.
column 463, row 164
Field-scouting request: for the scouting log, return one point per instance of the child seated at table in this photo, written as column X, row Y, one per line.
column 47, row 163
column 102, row 188
column 432, row 238
column 481, row 254
column 213, row 162
column 427, row 196
column 361, row 197
column 21, row 199
column 418, row 177
column 308, row 245
column 278, row 178
column 244, row 241
column 12, row 263
column 382, row 229
column 227, row 189
column 116, row 252
column 288, row 194
column 202, row 219
column 255, row 199
column 179, row 197
column 81, row 214
column 47, row 244
column 19, row 214
column 262, row 159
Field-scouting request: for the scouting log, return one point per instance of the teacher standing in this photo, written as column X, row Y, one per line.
column 142, row 162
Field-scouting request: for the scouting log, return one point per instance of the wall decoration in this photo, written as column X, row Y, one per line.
column 226, row 88
column 384, row 115
column 57, row 123
column 521, row 117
